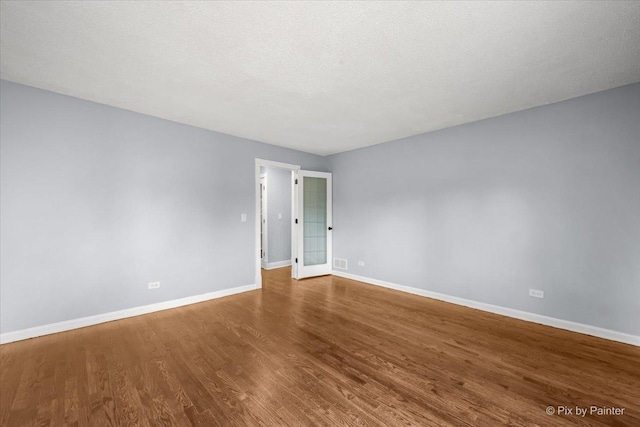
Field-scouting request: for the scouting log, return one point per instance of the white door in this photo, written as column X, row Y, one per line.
column 314, row 224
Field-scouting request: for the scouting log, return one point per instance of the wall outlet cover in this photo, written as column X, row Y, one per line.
column 536, row 293
column 154, row 285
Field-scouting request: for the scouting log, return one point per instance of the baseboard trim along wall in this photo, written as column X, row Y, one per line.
column 278, row 264
column 82, row 322
column 509, row 312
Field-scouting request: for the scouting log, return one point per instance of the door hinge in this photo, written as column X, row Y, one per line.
column 296, row 260
column 296, row 180
column 296, row 220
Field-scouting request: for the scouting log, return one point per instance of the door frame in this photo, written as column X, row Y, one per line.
column 271, row 164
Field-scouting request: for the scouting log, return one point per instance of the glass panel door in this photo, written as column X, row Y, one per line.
column 314, row 222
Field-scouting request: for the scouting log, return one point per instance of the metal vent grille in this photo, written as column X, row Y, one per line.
column 340, row 263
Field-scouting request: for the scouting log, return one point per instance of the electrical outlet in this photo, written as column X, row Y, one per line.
column 154, row 285
column 243, row 217
column 536, row 293
column 279, row 216
column 361, row 263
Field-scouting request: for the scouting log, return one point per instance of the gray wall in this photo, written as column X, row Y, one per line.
column 97, row 201
column 547, row 198
column 278, row 202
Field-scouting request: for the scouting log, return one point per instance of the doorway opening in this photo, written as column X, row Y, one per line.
column 275, row 218
column 274, row 206
column 307, row 241
column 264, row 239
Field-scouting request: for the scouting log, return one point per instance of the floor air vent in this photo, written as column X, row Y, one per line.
column 340, row 263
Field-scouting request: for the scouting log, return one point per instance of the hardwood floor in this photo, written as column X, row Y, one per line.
column 324, row 351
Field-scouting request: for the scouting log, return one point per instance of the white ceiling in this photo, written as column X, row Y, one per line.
column 321, row 77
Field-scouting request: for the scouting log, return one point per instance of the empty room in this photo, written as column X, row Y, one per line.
column 319, row 213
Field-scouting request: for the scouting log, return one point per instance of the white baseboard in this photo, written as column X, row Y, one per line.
column 278, row 264
column 510, row 312
column 82, row 322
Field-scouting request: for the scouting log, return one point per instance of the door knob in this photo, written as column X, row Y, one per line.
column 330, row 228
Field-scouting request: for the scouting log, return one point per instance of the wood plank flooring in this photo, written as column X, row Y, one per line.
column 325, row 351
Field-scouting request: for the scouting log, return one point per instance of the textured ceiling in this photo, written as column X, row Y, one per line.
column 321, row 77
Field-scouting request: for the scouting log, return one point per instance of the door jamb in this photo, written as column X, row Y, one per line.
column 270, row 164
